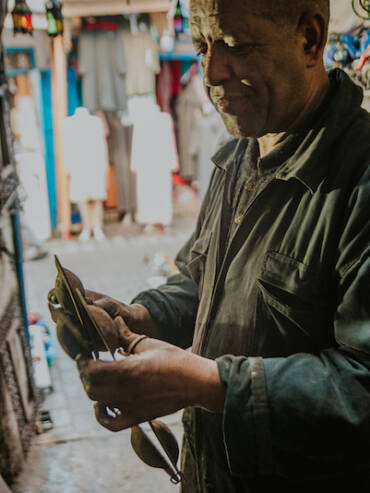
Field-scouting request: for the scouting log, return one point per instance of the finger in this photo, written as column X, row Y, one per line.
column 125, row 334
column 53, row 312
column 93, row 295
column 127, row 337
column 111, row 423
column 68, row 333
column 52, row 297
column 99, row 379
column 111, row 307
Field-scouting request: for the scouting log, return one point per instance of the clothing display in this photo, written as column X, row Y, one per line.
column 142, row 62
column 34, row 193
column 164, row 87
column 153, row 158
column 208, row 134
column 277, row 293
column 168, row 83
column 119, row 146
column 31, row 170
column 85, row 156
column 102, row 66
column 200, row 132
column 25, row 124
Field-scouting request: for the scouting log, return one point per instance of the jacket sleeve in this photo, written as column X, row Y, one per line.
column 308, row 415
column 174, row 305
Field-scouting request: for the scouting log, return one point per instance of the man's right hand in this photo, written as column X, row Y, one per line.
column 136, row 316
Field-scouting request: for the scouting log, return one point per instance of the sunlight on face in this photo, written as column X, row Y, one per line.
column 253, row 70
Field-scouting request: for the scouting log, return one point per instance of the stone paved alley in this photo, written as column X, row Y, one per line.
column 78, row 455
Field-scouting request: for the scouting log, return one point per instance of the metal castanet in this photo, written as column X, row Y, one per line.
column 70, row 294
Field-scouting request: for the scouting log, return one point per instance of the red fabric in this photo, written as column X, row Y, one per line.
column 100, row 25
column 176, row 77
column 164, row 87
column 178, row 180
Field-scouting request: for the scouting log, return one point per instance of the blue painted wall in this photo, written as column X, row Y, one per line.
column 49, row 145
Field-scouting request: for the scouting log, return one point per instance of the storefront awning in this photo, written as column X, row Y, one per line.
column 85, row 8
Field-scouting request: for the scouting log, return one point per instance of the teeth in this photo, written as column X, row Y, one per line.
column 246, row 83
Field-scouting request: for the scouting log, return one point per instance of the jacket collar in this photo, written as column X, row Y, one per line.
column 229, row 152
column 302, row 155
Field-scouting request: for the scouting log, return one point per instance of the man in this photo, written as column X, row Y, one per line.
column 273, row 287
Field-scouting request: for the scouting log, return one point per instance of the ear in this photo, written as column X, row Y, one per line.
column 312, row 30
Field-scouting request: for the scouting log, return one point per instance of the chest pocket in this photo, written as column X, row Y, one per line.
column 297, row 302
column 287, row 284
column 198, row 258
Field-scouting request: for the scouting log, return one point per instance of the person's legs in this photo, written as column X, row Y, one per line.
column 96, row 217
column 85, row 221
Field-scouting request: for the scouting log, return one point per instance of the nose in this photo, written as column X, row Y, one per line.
column 215, row 65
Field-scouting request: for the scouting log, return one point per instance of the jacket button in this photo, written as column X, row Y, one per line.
column 251, row 185
column 238, row 218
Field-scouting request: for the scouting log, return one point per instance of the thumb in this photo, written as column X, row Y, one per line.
column 141, row 343
column 126, row 336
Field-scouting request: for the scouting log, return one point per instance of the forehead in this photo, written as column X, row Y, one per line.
column 224, row 15
column 214, row 7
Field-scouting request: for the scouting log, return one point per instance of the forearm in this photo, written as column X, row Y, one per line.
column 172, row 308
column 281, row 414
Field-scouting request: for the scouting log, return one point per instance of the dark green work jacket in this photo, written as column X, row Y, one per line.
column 275, row 285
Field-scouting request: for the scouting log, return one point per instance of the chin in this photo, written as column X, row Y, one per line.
column 239, row 128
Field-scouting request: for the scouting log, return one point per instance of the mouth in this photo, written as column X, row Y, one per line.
column 230, row 104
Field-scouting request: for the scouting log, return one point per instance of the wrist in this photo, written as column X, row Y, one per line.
column 142, row 321
column 208, row 392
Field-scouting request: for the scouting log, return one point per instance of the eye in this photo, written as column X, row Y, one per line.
column 201, row 48
column 240, row 48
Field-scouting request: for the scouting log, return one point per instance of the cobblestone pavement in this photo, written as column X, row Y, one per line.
column 78, row 455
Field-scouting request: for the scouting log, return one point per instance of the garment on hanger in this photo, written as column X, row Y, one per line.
column 119, row 145
column 164, row 86
column 201, row 132
column 207, row 136
column 102, row 67
column 85, row 156
column 154, row 157
column 142, row 59
column 168, row 83
column 191, row 98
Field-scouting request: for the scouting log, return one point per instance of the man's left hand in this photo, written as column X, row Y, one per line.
column 159, row 379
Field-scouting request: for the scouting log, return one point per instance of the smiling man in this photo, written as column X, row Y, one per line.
column 273, row 289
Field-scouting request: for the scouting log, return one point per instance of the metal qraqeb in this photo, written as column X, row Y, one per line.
column 145, row 448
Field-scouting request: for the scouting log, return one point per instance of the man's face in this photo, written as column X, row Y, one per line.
column 253, row 68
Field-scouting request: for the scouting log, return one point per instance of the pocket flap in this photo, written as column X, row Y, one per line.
column 288, row 274
column 201, row 244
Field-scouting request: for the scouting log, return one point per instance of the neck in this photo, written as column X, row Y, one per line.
column 269, row 141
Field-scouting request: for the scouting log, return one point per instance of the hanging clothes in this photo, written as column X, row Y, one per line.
column 194, row 113
column 168, row 84
column 119, row 145
column 164, row 86
column 207, row 136
column 154, row 157
column 85, row 156
column 142, row 59
column 102, row 67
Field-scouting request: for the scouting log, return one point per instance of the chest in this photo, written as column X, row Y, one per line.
column 275, row 272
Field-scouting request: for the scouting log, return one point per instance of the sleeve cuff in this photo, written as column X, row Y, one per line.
column 246, row 422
